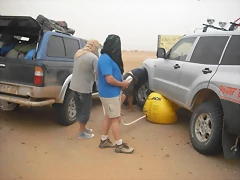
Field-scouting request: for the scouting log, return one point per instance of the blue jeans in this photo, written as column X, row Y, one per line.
column 83, row 106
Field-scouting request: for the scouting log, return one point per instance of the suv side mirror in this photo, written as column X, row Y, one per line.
column 161, row 53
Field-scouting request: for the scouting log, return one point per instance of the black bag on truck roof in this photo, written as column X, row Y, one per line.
column 49, row 25
column 62, row 24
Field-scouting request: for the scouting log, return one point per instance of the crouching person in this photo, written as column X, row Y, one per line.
column 138, row 78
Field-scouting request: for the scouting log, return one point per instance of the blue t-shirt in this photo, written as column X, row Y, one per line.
column 106, row 66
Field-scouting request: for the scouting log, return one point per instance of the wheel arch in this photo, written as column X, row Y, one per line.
column 204, row 95
column 63, row 91
column 149, row 75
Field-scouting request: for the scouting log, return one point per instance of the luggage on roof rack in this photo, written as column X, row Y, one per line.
column 50, row 25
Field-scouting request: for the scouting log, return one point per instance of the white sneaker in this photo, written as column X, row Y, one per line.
column 88, row 130
column 85, row 135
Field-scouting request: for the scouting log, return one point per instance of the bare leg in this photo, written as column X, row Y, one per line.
column 121, row 147
column 82, row 127
column 130, row 102
column 116, row 128
column 106, row 125
column 105, row 142
column 123, row 99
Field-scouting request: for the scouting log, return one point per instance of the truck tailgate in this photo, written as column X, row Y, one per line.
column 18, row 71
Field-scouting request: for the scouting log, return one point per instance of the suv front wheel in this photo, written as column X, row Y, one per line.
column 206, row 128
column 141, row 94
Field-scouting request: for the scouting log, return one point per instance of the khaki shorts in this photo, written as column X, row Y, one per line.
column 111, row 106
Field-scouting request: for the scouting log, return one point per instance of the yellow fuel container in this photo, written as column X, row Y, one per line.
column 160, row 110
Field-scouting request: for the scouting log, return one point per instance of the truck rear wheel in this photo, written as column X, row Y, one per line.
column 206, row 128
column 67, row 111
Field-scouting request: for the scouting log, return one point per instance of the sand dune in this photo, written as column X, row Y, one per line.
column 134, row 59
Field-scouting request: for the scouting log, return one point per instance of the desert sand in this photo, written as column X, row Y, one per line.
column 34, row 147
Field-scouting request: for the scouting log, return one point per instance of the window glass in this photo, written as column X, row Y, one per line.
column 181, row 50
column 209, row 50
column 56, row 47
column 232, row 53
column 72, row 46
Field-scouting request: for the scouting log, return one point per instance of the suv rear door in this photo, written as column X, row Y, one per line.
column 16, row 70
column 202, row 65
column 167, row 71
column 227, row 78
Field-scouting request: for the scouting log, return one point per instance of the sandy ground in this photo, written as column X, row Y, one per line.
column 34, row 147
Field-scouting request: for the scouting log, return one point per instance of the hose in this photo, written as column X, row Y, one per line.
column 127, row 124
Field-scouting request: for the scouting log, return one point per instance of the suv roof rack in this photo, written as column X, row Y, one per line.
column 54, row 30
column 233, row 27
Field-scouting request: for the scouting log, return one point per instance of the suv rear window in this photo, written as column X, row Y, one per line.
column 56, row 47
column 232, row 53
column 209, row 49
column 72, row 46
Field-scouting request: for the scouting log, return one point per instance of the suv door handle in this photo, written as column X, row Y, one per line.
column 176, row 66
column 206, row 71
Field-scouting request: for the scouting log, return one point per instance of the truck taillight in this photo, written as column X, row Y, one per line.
column 38, row 76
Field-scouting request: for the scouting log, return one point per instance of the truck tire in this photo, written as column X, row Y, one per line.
column 67, row 111
column 141, row 94
column 206, row 128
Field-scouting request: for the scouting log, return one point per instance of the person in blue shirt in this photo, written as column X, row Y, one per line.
column 110, row 85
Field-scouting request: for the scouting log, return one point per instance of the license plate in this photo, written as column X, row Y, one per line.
column 8, row 89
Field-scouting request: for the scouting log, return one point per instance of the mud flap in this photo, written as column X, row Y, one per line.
column 228, row 141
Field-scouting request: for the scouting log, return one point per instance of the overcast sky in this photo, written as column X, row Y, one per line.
column 137, row 22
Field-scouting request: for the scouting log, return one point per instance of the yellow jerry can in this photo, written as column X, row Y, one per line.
column 160, row 110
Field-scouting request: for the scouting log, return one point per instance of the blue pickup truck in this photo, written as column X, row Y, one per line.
column 37, row 68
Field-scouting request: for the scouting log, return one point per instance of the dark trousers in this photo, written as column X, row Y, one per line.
column 83, row 107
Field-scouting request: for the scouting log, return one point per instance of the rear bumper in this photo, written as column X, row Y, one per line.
column 26, row 102
column 231, row 117
column 33, row 91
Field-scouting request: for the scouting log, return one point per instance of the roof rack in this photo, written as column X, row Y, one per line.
column 222, row 24
column 234, row 25
column 54, row 30
column 206, row 26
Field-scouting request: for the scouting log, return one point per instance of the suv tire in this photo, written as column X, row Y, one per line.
column 141, row 94
column 206, row 128
column 66, row 112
